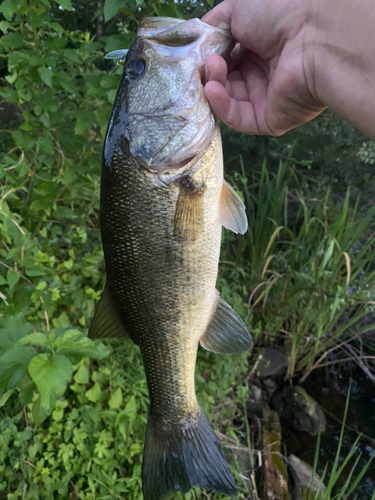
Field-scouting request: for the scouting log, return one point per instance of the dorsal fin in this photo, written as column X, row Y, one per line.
column 227, row 333
column 232, row 210
column 107, row 322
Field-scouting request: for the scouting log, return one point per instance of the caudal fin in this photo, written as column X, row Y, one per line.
column 178, row 458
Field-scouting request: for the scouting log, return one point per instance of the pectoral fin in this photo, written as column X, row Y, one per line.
column 227, row 333
column 188, row 220
column 106, row 323
column 232, row 210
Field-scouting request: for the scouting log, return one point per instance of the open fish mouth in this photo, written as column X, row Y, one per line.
column 192, row 160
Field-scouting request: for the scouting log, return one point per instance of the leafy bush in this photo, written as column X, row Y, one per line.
column 91, row 446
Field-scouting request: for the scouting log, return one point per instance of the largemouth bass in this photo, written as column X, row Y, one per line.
column 163, row 202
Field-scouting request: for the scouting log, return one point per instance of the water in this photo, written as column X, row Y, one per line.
column 330, row 389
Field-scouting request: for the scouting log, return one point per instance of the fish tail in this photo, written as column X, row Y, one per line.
column 187, row 455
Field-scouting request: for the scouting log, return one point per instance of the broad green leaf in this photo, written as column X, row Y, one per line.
column 51, row 375
column 82, row 375
column 27, row 388
column 14, row 328
column 4, row 398
column 36, row 338
column 9, row 94
column 8, row 8
column 11, row 40
column 4, row 25
column 13, row 366
column 115, row 401
column 65, row 4
column 74, row 344
column 62, row 321
column 94, row 393
column 46, row 75
column 111, row 8
column 13, row 278
column 38, row 411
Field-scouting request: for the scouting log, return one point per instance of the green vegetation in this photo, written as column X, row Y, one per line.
column 73, row 412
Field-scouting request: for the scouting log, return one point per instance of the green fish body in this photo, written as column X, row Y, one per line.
column 163, row 202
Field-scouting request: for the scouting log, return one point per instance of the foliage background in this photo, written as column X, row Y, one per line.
column 56, row 93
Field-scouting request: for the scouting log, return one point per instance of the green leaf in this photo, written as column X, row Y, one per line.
column 13, row 366
column 4, row 398
column 38, row 412
column 27, row 388
column 36, row 338
column 76, row 345
column 51, row 375
column 131, row 408
column 4, row 25
column 82, row 375
column 13, row 278
column 62, row 321
column 11, row 40
column 116, row 400
column 85, row 120
column 9, row 94
column 14, row 328
column 65, row 4
column 111, row 8
column 94, row 393
column 46, row 75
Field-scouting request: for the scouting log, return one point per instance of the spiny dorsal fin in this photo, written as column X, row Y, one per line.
column 188, row 219
column 232, row 210
column 106, row 323
column 227, row 333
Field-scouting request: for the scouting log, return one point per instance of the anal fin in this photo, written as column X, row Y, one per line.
column 107, row 322
column 232, row 210
column 227, row 333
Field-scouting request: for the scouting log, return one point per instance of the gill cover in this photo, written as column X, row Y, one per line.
column 161, row 115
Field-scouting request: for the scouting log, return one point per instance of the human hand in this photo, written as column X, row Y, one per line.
column 266, row 89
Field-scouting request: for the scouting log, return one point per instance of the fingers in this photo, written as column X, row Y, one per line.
column 240, row 98
column 220, row 16
column 236, row 114
column 216, row 69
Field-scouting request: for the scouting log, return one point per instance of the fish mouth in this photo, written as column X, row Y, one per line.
column 191, row 160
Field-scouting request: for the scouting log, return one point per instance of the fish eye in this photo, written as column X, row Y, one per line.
column 135, row 68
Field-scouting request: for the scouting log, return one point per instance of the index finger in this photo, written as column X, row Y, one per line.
column 220, row 16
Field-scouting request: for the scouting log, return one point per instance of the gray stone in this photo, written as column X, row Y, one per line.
column 301, row 474
column 272, row 363
column 300, row 409
column 255, row 393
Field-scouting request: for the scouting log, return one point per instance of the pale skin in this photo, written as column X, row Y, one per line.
column 293, row 59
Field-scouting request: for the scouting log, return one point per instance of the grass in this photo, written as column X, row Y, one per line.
column 340, row 468
column 305, row 266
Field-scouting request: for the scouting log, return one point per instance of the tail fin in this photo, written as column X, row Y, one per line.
column 187, row 455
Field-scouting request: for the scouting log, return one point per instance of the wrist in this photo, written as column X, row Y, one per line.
column 339, row 67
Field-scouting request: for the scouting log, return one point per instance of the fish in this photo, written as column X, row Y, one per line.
column 163, row 203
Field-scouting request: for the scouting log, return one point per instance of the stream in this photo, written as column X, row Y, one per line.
column 329, row 387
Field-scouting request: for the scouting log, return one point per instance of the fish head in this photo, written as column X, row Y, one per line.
column 160, row 109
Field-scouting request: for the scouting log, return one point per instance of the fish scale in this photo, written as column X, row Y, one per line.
column 163, row 204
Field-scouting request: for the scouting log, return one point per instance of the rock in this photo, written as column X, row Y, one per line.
column 300, row 475
column 272, row 363
column 274, row 471
column 255, row 402
column 270, row 384
column 255, row 393
column 300, row 409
